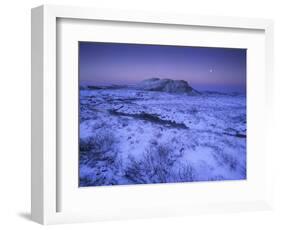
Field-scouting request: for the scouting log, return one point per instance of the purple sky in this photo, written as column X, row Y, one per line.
column 215, row 69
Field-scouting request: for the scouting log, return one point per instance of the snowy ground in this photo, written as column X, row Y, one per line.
column 130, row 136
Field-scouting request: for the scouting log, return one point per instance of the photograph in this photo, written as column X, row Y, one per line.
column 153, row 113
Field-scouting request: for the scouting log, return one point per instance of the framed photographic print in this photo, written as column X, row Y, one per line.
column 187, row 123
column 138, row 114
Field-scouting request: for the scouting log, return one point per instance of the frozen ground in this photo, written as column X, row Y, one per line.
column 131, row 136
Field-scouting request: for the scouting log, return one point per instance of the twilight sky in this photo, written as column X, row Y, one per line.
column 214, row 69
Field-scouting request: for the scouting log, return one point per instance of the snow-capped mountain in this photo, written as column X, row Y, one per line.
column 165, row 85
column 152, row 84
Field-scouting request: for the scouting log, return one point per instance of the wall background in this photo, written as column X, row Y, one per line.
column 15, row 113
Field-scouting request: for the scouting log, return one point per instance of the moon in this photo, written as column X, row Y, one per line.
column 211, row 70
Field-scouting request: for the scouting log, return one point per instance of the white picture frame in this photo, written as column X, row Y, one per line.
column 47, row 179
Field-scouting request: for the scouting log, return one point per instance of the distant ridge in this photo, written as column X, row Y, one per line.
column 151, row 84
column 166, row 85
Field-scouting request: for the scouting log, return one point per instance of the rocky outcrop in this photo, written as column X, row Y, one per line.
column 165, row 85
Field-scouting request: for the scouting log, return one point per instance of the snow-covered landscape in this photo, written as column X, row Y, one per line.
column 160, row 131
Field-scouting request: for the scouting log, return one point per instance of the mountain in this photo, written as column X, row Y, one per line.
column 151, row 84
column 165, row 85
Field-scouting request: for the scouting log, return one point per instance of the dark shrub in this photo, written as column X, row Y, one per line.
column 157, row 166
column 186, row 173
column 98, row 146
column 99, row 153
